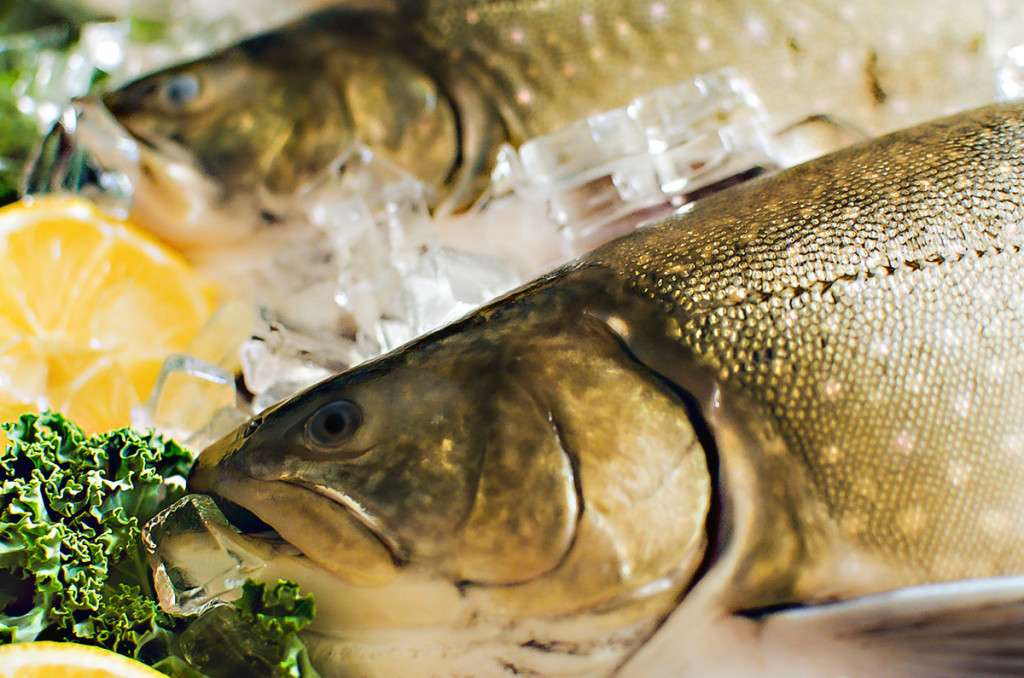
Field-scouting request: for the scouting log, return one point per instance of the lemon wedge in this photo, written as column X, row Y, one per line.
column 46, row 659
column 89, row 308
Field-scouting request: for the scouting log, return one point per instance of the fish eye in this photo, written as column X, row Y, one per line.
column 334, row 423
column 180, row 91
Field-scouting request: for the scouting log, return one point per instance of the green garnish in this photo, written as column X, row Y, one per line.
column 71, row 512
column 256, row 636
column 73, row 567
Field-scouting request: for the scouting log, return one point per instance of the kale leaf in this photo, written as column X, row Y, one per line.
column 73, row 565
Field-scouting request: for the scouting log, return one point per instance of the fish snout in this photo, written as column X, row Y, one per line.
column 206, row 471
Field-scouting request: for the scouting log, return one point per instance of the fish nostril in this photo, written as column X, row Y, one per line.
column 251, row 427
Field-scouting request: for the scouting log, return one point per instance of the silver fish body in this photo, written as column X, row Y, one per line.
column 778, row 434
column 234, row 140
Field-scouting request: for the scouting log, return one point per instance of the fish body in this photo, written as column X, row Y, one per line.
column 779, row 433
column 236, row 140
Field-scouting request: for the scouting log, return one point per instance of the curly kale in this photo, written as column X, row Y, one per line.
column 73, row 566
column 71, row 511
column 257, row 635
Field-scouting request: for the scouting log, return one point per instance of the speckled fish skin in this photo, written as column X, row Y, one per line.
column 436, row 86
column 871, row 304
column 833, row 356
column 877, row 64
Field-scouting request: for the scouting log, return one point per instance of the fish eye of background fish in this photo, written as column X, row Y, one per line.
column 180, row 91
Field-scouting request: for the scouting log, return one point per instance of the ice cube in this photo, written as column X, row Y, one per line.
column 445, row 285
column 1010, row 74
column 611, row 172
column 694, row 129
column 506, row 224
column 86, row 152
column 297, row 282
column 220, row 424
column 592, row 171
column 128, row 48
column 48, row 77
column 280, row 360
column 198, row 558
column 220, row 642
column 194, row 397
column 187, row 394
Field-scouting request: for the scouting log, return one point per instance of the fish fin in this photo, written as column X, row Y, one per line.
column 964, row 629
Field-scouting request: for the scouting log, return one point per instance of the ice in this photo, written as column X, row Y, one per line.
column 1010, row 74
column 194, row 398
column 396, row 277
column 389, row 271
column 592, row 171
column 601, row 176
column 87, row 153
column 220, row 424
column 220, row 642
column 47, row 77
column 445, row 285
column 363, row 267
column 198, row 558
column 188, row 393
column 51, row 70
column 280, row 360
column 296, row 281
column 702, row 132
column 129, row 48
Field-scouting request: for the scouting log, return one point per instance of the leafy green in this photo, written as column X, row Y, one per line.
column 19, row 134
column 257, row 635
column 71, row 511
column 73, row 566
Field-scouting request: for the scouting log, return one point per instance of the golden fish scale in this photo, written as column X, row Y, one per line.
column 551, row 62
column 873, row 303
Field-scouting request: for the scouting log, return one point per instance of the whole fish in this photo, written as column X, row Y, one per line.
column 233, row 141
column 780, row 434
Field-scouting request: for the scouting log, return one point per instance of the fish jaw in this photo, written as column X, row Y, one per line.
column 329, row 534
column 182, row 206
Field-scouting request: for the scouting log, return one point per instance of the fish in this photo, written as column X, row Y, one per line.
column 779, row 433
column 236, row 141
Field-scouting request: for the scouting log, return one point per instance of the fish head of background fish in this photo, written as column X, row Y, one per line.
column 232, row 142
column 510, row 484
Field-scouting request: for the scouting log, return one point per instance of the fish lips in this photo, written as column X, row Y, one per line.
column 332, row 534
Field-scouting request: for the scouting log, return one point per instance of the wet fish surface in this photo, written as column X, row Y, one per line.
column 435, row 87
column 779, row 434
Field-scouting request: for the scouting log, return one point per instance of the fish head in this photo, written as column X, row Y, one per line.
column 398, row 452
column 238, row 139
column 518, row 460
column 221, row 128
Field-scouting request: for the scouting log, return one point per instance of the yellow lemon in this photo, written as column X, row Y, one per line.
column 89, row 308
column 47, row 659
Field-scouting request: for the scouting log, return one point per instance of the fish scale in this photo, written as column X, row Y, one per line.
column 872, row 310
column 604, row 52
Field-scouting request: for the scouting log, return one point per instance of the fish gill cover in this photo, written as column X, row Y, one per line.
column 73, row 567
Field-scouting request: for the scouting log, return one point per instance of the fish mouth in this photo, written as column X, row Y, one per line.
column 334, row 534
column 244, row 520
column 251, row 525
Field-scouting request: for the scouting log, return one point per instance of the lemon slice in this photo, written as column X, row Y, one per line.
column 89, row 308
column 46, row 659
